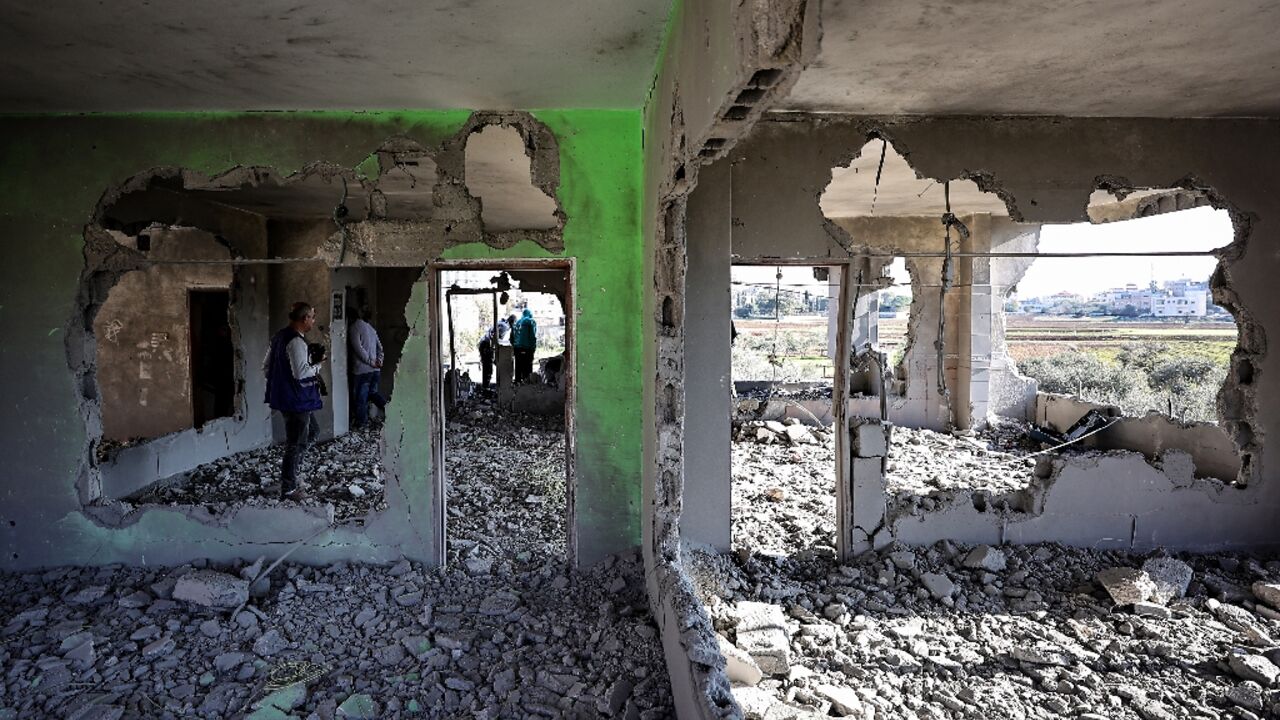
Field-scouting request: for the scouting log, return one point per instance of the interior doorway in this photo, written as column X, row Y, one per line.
column 213, row 355
column 504, row 370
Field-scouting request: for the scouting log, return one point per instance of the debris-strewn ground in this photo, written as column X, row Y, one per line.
column 507, row 632
column 345, row 472
column 361, row 641
column 957, row 632
column 506, row 486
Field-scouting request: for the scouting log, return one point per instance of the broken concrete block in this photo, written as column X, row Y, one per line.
column 1126, row 586
column 775, row 427
column 1247, row 695
column 1268, row 593
column 985, row 557
column 799, row 435
column 1171, row 577
column 739, row 666
column 755, row 702
column 210, row 588
column 1253, row 667
column 270, row 643
column 870, row 439
column 1242, row 621
column 762, row 633
column 844, row 700
column 358, row 707
column 938, row 585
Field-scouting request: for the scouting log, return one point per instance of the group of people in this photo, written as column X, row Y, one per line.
column 521, row 335
column 295, row 388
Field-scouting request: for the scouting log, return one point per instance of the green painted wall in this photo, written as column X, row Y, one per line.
column 54, row 169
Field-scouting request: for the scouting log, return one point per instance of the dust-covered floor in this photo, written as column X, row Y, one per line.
column 959, row 632
column 506, row 495
column 345, row 472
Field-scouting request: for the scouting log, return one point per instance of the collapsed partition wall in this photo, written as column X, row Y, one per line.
column 402, row 179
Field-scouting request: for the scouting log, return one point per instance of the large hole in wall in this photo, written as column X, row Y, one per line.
column 966, row 418
column 168, row 259
column 499, row 174
column 505, row 339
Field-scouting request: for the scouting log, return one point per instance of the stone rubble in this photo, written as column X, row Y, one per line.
column 506, row 631
column 345, row 472
column 951, row 631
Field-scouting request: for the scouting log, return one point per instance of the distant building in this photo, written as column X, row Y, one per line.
column 1177, row 298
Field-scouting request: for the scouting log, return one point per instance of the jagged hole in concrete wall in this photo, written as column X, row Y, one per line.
column 164, row 253
column 505, row 341
column 958, row 371
column 1134, row 337
column 498, row 172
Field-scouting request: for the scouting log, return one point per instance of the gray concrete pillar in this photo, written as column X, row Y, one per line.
column 705, row 518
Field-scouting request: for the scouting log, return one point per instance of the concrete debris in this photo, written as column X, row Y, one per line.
column 792, row 432
column 1267, row 592
column 762, row 633
column 1171, row 577
column 1035, row 639
column 493, row 464
column 212, row 589
column 503, row 632
column 938, row 585
column 1253, row 667
column 1249, row 626
column 985, row 557
column 739, row 665
column 345, row 472
column 514, row 643
column 1126, row 585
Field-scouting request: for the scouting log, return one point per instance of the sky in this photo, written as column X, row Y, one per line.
column 1195, row 230
column 1198, row 229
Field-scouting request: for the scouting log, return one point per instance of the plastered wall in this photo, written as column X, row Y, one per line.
column 55, row 170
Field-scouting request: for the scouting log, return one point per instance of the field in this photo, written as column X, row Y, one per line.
column 1170, row 367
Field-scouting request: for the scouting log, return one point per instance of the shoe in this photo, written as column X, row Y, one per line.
column 296, row 495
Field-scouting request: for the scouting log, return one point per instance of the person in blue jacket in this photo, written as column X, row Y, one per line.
column 293, row 390
column 524, row 340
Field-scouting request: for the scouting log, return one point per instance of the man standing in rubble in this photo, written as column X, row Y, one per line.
column 524, row 340
column 366, row 367
column 293, row 390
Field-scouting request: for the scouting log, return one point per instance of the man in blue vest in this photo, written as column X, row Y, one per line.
column 293, row 389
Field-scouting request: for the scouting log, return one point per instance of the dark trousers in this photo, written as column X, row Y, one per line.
column 524, row 363
column 486, row 364
column 364, row 389
column 300, row 430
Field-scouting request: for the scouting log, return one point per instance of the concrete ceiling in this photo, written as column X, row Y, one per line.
column 1150, row 58
column 135, row 55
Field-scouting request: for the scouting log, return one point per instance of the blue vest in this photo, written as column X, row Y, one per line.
column 284, row 393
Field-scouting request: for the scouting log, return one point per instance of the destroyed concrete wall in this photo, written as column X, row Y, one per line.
column 54, row 174
column 144, row 361
column 720, row 66
column 1046, row 169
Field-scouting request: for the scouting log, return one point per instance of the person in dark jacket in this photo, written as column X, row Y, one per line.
column 524, row 340
column 293, row 390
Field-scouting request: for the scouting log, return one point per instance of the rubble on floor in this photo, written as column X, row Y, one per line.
column 949, row 631
column 1013, row 632
column 343, row 641
column 345, row 472
column 506, row 487
column 927, row 469
column 783, row 491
